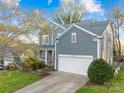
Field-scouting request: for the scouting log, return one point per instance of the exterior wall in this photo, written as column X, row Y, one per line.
column 50, row 46
column 107, row 44
column 104, row 45
column 84, row 46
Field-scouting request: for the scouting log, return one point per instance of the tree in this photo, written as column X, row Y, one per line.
column 70, row 13
column 9, row 29
column 15, row 24
column 36, row 24
column 117, row 18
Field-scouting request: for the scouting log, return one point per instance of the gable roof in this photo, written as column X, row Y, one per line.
column 78, row 27
column 97, row 27
column 92, row 27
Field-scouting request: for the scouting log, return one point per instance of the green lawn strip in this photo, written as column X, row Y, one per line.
column 14, row 80
column 116, row 87
column 87, row 90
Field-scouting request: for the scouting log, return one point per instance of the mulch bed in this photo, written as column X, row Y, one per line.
column 42, row 75
column 44, row 72
column 89, row 84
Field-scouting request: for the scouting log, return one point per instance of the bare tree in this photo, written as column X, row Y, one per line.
column 15, row 23
column 117, row 19
column 70, row 13
column 36, row 24
column 8, row 26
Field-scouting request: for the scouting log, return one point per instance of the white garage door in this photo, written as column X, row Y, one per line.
column 74, row 63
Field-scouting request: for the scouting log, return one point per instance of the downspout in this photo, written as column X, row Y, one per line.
column 98, row 40
column 99, row 48
column 55, row 63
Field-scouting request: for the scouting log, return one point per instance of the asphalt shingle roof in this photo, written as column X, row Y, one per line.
column 97, row 27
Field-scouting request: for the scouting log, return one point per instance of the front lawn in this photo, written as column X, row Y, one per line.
column 117, row 86
column 14, row 80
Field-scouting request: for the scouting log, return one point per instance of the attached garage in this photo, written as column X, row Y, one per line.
column 77, row 64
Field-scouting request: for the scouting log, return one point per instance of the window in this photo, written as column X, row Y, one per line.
column 73, row 38
column 45, row 39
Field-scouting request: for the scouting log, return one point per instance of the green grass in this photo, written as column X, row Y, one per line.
column 117, row 86
column 14, row 80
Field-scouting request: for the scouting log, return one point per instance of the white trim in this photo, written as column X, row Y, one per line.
column 58, row 34
column 83, row 56
column 52, row 57
column 73, row 37
column 45, row 57
column 66, row 30
column 98, row 40
column 55, row 64
column 57, row 24
column 98, row 48
column 45, row 49
column 82, row 29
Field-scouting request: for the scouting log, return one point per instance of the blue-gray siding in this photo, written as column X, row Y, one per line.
column 84, row 46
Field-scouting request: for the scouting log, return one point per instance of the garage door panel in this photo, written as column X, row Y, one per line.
column 74, row 64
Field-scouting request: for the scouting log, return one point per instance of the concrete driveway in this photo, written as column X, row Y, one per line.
column 58, row 82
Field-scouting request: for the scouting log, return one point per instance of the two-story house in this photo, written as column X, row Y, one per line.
column 72, row 48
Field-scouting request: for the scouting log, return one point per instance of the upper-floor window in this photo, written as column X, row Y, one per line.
column 45, row 39
column 73, row 37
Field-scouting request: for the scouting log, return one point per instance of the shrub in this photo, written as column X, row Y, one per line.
column 32, row 64
column 100, row 71
column 12, row 66
column 37, row 64
column 27, row 65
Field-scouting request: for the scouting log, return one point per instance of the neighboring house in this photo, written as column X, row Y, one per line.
column 8, row 58
column 73, row 47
